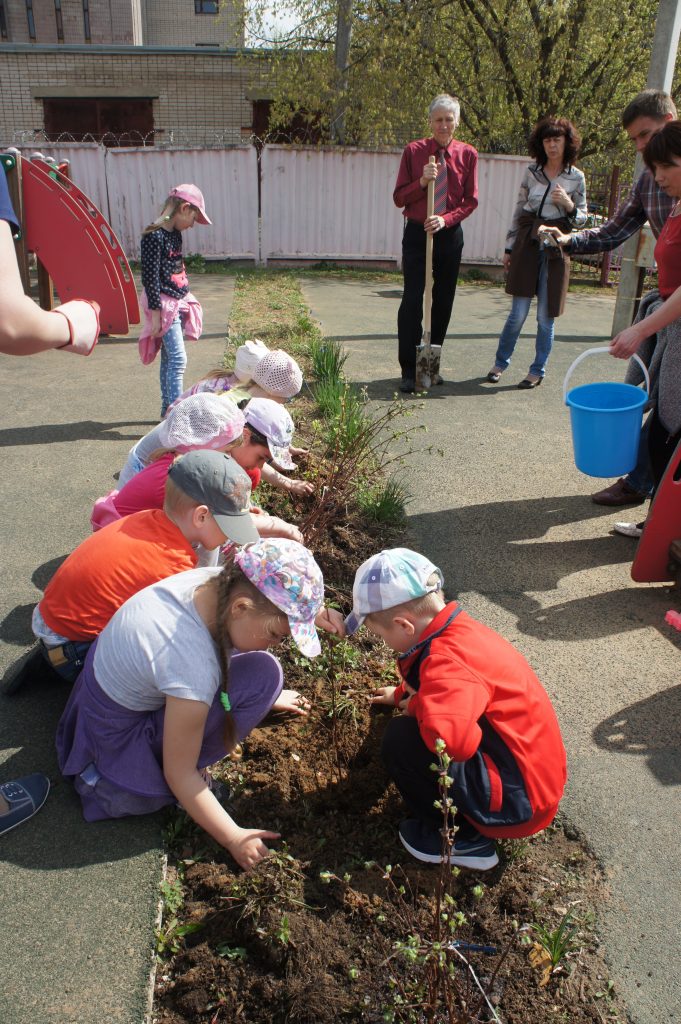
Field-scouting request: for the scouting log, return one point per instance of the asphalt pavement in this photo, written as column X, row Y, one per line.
column 79, row 901
column 507, row 516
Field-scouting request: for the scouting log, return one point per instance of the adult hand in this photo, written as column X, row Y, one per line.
column 292, row 702
column 556, row 232
column 507, row 262
column 560, row 198
column 155, row 323
column 248, row 848
column 624, row 344
column 434, row 224
column 429, row 174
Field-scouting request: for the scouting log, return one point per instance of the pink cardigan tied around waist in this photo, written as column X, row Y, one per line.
column 191, row 315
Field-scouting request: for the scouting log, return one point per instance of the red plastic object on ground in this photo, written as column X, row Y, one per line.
column 77, row 246
column 662, row 527
column 673, row 618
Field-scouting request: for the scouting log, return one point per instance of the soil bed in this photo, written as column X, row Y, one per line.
column 320, row 932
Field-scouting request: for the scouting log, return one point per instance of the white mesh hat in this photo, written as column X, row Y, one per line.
column 201, row 421
column 247, row 358
column 279, row 374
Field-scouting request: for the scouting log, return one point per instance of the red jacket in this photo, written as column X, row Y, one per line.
column 477, row 693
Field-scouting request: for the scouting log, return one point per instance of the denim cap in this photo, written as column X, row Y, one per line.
column 216, row 480
column 272, row 420
column 387, row 579
column 288, row 576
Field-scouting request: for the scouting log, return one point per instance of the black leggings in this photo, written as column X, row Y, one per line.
column 661, row 447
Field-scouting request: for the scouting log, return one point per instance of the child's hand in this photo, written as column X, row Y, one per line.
column 155, row 323
column 293, row 702
column 383, row 695
column 295, row 452
column 302, row 487
column 330, row 620
column 248, row 848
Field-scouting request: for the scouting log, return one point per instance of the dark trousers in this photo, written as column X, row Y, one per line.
column 661, row 447
column 407, row 760
column 447, row 248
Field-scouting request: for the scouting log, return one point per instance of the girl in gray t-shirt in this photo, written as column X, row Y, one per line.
column 180, row 676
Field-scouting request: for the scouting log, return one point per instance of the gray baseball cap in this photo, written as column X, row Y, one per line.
column 216, row 480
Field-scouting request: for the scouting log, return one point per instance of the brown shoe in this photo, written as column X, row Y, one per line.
column 619, row 493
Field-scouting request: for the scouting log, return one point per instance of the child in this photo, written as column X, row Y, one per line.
column 165, row 286
column 180, row 676
column 257, row 373
column 207, row 499
column 267, row 432
column 462, row 683
column 202, row 421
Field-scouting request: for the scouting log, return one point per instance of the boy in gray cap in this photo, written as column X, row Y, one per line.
column 464, row 684
column 207, row 502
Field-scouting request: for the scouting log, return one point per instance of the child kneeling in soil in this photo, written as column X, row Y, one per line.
column 180, row 676
column 464, row 684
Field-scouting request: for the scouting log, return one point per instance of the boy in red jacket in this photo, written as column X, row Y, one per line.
column 465, row 684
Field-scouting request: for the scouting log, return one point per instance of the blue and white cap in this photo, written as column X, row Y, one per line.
column 387, row 579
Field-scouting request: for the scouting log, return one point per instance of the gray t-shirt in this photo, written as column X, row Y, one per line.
column 138, row 456
column 157, row 645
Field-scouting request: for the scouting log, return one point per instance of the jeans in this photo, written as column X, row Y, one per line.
column 74, row 653
column 447, row 248
column 173, row 363
column 517, row 317
column 641, row 477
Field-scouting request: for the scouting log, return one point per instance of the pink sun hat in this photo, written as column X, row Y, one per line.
column 192, row 194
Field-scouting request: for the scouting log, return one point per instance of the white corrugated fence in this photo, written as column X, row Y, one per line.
column 315, row 203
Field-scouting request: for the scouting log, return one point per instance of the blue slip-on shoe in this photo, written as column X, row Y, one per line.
column 478, row 853
column 25, row 797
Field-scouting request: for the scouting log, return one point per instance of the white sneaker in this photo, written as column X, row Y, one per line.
column 629, row 529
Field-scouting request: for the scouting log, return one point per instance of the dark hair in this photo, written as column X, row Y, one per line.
column 256, row 436
column 664, row 145
column 649, row 103
column 550, row 128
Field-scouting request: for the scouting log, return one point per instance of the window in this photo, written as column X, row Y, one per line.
column 60, row 23
column 30, row 19
column 205, row 6
column 86, row 20
column 114, row 122
column 3, row 21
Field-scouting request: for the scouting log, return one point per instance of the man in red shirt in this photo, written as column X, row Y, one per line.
column 455, row 174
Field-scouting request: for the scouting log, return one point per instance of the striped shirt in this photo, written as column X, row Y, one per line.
column 645, row 202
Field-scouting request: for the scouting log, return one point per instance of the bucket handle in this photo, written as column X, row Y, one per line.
column 593, row 351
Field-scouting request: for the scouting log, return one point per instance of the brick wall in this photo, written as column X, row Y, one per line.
column 154, row 23
column 198, row 98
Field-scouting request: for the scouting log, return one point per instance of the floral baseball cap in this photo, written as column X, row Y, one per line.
column 288, row 576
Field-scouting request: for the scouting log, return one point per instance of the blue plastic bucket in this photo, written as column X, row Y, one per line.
column 606, row 423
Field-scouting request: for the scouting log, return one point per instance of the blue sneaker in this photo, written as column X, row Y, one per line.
column 25, row 797
column 478, row 853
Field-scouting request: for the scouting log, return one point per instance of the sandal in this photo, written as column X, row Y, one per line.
column 494, row 375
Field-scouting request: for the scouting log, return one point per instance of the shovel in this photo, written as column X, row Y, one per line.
column 427, row 355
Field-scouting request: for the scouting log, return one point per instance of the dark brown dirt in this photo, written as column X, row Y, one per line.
column 309, row 936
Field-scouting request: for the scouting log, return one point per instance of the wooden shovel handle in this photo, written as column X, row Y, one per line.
column 428, row 292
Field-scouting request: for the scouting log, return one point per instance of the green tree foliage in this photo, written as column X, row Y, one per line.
column 509, row 61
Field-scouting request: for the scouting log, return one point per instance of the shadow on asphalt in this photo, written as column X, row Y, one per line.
column 15, row 628
column 500, row 550
column 474, row 387
column 650, row 729
column 86, row 430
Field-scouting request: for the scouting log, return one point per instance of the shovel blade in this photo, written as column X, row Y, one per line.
column 427, row 365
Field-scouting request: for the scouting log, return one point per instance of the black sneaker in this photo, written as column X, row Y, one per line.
column 408, row 385
column 477, row 853
column 29, row 665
